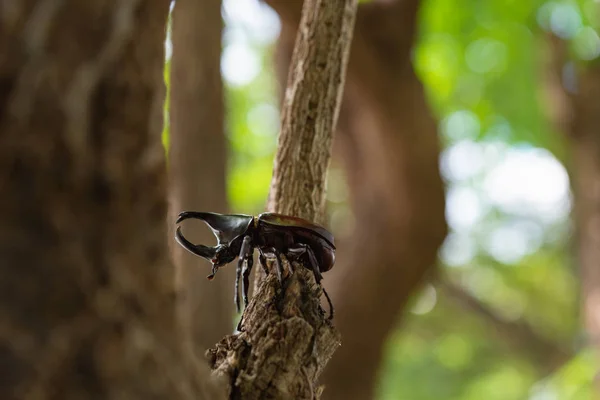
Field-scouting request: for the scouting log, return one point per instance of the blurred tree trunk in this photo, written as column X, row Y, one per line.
column 585, row 133
column 390, row 149
column 576, row 111
column 197, row 159
column 86, row 283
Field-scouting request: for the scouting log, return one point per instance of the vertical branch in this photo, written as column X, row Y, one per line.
column 389, row 147
column 286, row 341
column 311, row 108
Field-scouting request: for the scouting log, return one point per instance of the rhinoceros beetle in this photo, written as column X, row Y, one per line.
column 275, row 234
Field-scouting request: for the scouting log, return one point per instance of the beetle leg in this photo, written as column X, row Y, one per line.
column 246, row 273
column 279, row 267
column 329, row 302
column 303, row 248
column 263, row 261
column 314, row 264
column 236, row 295
column 296, row 253
column 319, row 277
column 246, row 246
column 246, row 284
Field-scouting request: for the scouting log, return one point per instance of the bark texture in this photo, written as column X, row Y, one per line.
column 311, row 107
column 86, row 287
column 197, row 159
column 387, row 140
column 286, row 340
column 286, row 343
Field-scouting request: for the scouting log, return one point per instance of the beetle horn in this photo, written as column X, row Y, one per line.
column 198, row 249
column 192, row 214
column 225, row 227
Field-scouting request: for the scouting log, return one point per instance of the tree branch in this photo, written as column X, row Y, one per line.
column 585, row 138
column 311, row 108
column 389, row 146
column 286, row 340
column 546, row 355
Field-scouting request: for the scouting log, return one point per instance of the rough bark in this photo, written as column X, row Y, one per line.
column 387, row 140
column 86, row 287
column 311, row 108
column 197, row 165
column 286, row 340
column 285, row 344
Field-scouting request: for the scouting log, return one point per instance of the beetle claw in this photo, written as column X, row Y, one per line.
column 211, row 276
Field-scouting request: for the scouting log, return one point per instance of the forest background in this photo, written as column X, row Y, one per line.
column 502, row 318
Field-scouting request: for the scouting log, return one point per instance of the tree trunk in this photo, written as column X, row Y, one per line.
column 585, row 133
column 86, row 284
column 197, row 165
column 577, row 113
column 287, row 341
column 387, row 139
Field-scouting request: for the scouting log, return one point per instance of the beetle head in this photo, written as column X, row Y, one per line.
column 229, row 230
column 218, row 255
column 223, row 255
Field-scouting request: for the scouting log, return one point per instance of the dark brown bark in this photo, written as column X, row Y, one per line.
column 86, row 284
column 285, row 345
column 287, row 340
column 387, row 139
column 197, row 165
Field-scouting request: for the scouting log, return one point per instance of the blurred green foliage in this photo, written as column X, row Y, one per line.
column 483, row 56
column 252, row 126
column 484, row 66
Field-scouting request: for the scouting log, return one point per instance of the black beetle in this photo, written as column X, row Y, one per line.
column 270, row 233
